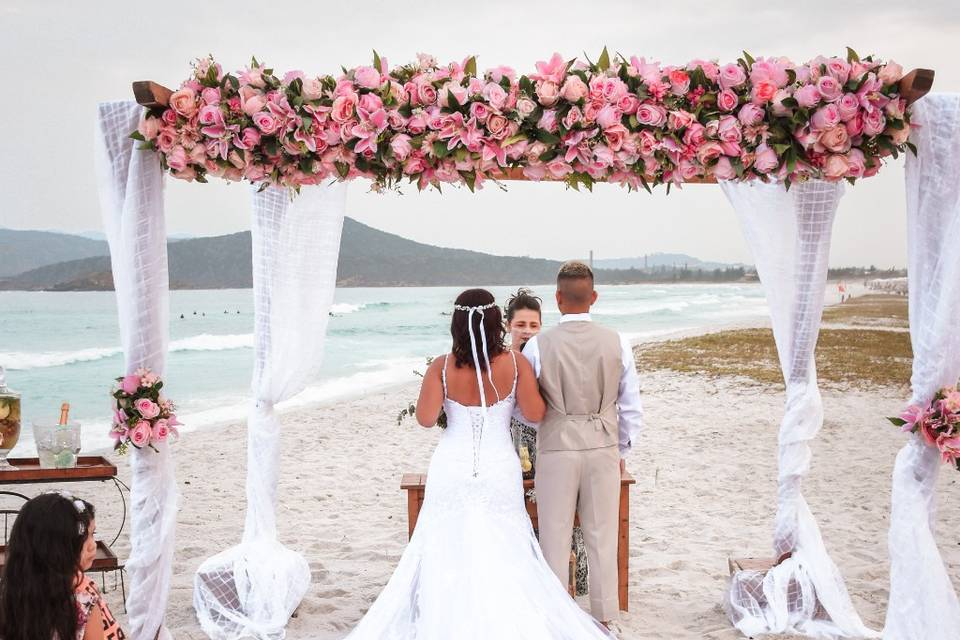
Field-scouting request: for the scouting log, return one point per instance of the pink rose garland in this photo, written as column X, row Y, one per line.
column 627, row 121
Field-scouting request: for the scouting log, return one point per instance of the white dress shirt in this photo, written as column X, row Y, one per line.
column 629, row 408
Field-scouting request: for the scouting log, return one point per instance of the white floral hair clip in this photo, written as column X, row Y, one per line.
column 460, row 307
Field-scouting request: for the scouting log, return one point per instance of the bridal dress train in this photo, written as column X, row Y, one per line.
column 473, row 569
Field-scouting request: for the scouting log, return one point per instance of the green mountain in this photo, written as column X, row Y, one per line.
column 22, row 251
column 368, row 258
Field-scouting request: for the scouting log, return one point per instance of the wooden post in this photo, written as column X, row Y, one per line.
column 916, row 84
column 623, row 542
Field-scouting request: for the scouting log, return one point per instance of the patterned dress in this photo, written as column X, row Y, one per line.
column 525, row 436
column 87, row 596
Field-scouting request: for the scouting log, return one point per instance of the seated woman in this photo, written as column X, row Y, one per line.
column 44, row 593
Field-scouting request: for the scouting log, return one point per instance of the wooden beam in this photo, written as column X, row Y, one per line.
column 150, row 94
column 916, row 84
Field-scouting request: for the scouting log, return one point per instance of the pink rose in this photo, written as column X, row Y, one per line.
column 829, row 88
column 848, row 105
column 266, row 122
column 426, row 94
column 825, row 117
column 768, row 72
column 951, row 401
column 254, row 104
column 835, row 139
column 177, row 158
column 573, row 117
column 732, row 149
column 161, row 430
column 250, row 138
column 679, row 82
column 547, row 93
column 776, row 103
column 836, row 167
column 147, row 408
column 366, row 77
column 874, row 123
column 680, row 119
column 689, row 170
column 890, row 73
column 574, row 89
column 130, row 384
column 312, row 89
column 807, row 96
column 149, row 128
column 724, row 170
column 169, row 116
column 184, row 102
column 854, row 125
column 856, row 162
column 342, row 110
column 839, row 70
column 695, row 134
column 370, row 102
column 526, row 106
column 615, row 136
column 608, row 116
column 898, row 136
column 496, row 123
column 750, row 115
column 548, row 121
column 651, row 114
column 709, row 151
column 452, row 89
column 210, row 95
column 559, row 169
column 729, row 129
column 417, row 124
column 727, row 100
column 949, row 448
column 766, row 160
column 401, row 147
column 140, row 434
column 480, row 111
column 732, row 76
column 495, row 95
column 763, row 92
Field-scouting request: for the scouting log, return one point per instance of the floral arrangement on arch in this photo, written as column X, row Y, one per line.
column 142, row 417
column 938, row 423
column 626, row 121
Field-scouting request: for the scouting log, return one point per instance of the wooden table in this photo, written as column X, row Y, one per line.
column 415, row 485
column 88, row 469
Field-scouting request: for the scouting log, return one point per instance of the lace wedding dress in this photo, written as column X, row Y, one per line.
column 473, row 568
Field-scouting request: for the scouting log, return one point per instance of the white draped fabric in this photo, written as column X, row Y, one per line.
column 131, row 198
column 789, row 235
column 923, row 604
column 250, row 590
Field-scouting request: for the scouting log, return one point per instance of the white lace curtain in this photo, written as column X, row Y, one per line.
column 923, row 604
column 789, row 235
column 131, row 198
column 250, row 590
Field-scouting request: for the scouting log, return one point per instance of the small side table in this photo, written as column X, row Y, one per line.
column 88, row 469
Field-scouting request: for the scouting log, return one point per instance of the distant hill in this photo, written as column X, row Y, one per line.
column 368, row 258
column 21, row 251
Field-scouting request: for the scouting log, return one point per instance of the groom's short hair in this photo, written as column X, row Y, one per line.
column 571, row 281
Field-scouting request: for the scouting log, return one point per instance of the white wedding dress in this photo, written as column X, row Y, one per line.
column 473, row 568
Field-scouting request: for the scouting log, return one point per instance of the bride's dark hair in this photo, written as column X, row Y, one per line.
column 43, row 560
column 492, row 325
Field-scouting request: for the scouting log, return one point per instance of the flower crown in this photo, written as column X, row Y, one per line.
column 482, row 307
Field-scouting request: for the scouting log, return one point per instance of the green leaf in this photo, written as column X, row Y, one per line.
column 790, row 103
column 136, row 135
column 471, row 67
column 643, row 181
column 852, row 55
column 440, row 149
column 781, row 148
column 514, row 139
column 791, row 158
column 791, row 76
column 526, row 86
column 912, row 147
column 452, row 100
column 749, row 58
column 471, row 179
column 376, row 60
column 342, row 168
column 897, row 422
column 895, row 124
column 604, row 62
column 546, row 137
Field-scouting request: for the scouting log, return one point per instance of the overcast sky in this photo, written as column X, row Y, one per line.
column 62, row 57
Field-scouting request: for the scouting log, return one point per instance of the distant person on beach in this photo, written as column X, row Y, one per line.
column 45, row 594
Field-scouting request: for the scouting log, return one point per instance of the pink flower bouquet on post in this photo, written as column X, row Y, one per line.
column 141, row 416
column 938, row 423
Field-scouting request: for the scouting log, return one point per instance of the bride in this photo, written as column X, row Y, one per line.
column 473, row 568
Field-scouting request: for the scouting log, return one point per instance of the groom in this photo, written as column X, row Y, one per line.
column 589, row 382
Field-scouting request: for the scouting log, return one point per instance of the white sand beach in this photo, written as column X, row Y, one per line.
column 705, row 469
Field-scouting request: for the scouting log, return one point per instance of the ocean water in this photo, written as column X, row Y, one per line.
column 60, row 347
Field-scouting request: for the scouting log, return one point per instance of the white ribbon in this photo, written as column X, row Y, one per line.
column 478, row 438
